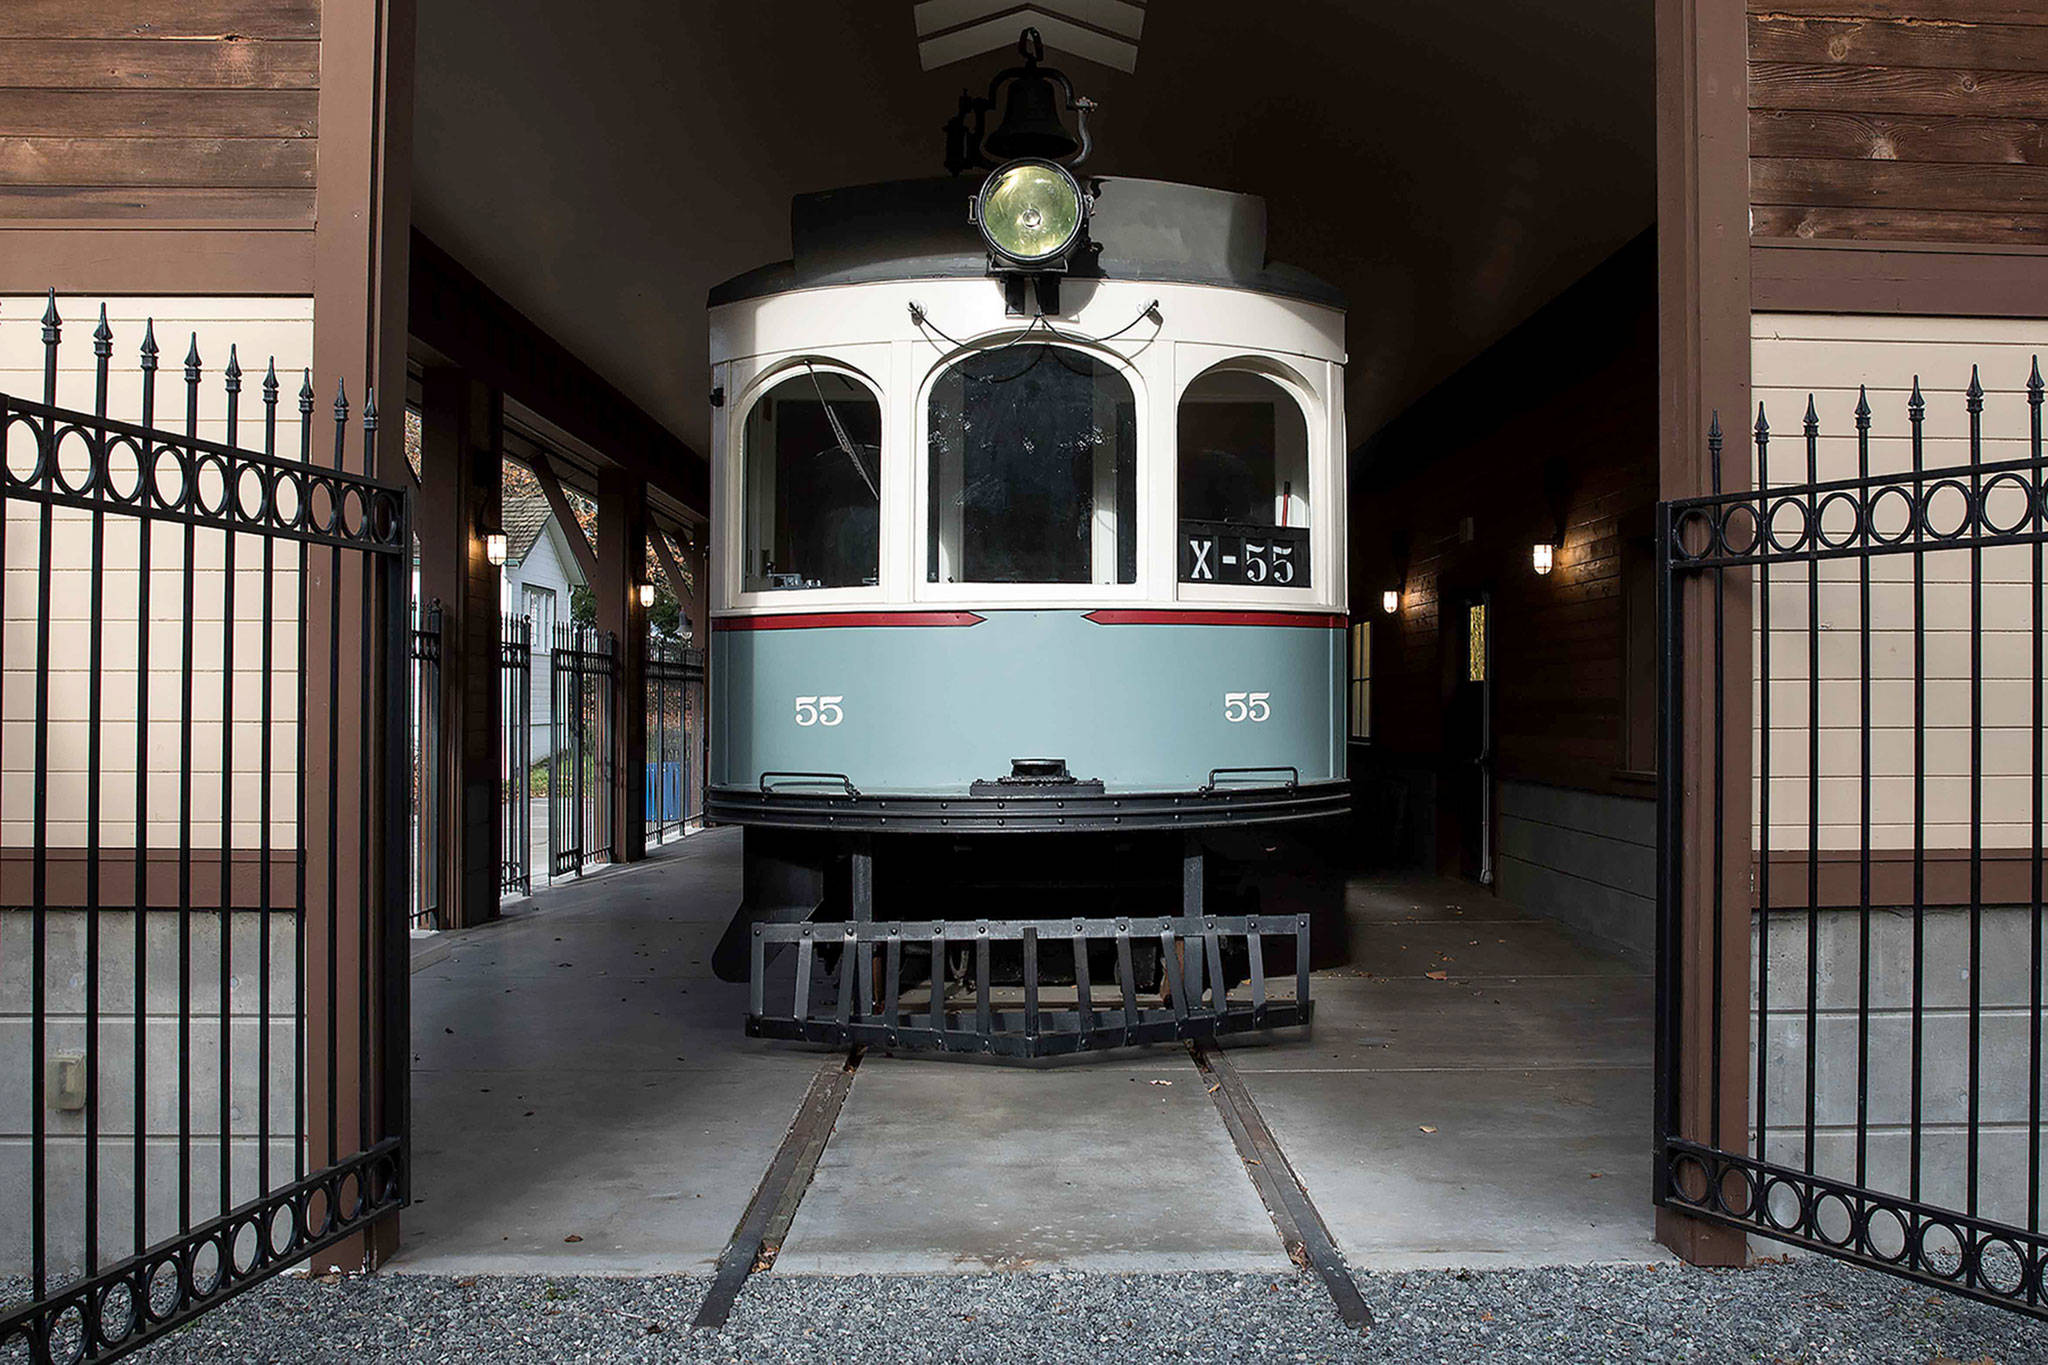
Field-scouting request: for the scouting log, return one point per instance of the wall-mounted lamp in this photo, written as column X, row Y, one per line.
column 495, row 548
column 1543, row 554
column 646, row 594
column 1398, row 548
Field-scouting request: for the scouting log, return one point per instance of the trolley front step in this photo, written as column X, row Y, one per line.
column 848, row 985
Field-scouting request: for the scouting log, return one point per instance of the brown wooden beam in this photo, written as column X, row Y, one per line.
column 461, row 491
column 1817, row 277
column 102, row 258
column 1704, row 364
column 565, row 515
column 621, row 566
column 359, row 272
column 678, row 586
column 461, row 318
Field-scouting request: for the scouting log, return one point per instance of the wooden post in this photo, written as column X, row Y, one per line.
column 1704, row 325
column 461, row 494
column 363, row 210
column 621, row 569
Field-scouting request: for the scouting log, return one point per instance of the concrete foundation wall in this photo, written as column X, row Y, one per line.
column 115, row 1092
column 1584, row 858
column 2003, row 1090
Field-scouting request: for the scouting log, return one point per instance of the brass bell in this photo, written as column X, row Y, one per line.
column 1031, row 125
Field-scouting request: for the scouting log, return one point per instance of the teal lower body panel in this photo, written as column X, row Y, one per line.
column 897, row 706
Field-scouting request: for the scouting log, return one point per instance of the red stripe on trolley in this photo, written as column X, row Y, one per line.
column 826, row 620
column 1317, row 620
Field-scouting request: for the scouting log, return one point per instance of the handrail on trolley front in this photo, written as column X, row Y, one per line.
column 1293, row 776
column 768, row 789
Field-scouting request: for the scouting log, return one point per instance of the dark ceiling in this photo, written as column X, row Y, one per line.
column 1451, row 167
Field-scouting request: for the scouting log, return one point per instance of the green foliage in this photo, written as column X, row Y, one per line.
column 665, row 617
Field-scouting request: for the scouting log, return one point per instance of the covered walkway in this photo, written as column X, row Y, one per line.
column 1475, row 1092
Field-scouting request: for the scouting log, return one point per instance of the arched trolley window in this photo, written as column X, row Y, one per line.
column 1243, row 482
column 1034, row 470
column 812, row 480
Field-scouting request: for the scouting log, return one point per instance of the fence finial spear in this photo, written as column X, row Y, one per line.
column 233, row 373
column 1975, row 393
column 270, row 382
column 1812, row 417
column 370, row 409
column 51, row 322
column 192, row 361
column 1863, row 407
column 103, row 335
column 1714, row 450
column 1763, row 428
column 149, row 343
column 306, row 392
column 2034, row 382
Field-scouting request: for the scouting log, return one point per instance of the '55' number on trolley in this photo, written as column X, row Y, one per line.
column 819, row 710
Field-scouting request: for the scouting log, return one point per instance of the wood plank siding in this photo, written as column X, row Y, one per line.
column 1899, row 121
column 1558, row 421
column 204, row 111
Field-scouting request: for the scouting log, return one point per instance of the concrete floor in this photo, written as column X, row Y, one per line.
column 580, row 1073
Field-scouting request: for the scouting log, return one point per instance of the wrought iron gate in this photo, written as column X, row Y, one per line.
column 1868, row 633
column 426, row 766
column 515, row 753
column 675, row 719
column 203, row 870
column 583, row 672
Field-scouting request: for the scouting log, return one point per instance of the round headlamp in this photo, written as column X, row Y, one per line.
column 1030, row 212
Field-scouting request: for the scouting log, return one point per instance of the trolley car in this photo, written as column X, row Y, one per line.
column 1028, row 579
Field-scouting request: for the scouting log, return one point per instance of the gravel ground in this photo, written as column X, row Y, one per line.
column 1801, row 1311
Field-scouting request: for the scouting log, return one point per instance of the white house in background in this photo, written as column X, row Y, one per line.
column 540, row 569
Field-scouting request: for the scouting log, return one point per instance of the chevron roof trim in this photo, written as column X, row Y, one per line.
column 1105, row 32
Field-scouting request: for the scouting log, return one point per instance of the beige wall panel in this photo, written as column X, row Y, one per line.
column 259, row 329
column 1830, row 356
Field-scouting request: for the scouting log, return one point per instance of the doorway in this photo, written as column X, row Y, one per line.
column 1468, row 737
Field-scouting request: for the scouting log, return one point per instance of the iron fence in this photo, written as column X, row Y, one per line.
column 515, row 750
column 427, row 785
column 1884, row 618
column 584, row 676
column 675, row 710
column 205, row 897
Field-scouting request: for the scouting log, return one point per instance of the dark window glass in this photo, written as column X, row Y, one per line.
column 1034, row 470
column 1243, row 482
column 813, row 477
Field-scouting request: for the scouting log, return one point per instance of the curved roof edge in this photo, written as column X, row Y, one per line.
column 919, row 230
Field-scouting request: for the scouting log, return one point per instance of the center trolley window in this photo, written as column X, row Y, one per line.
column 1034, row 470
column 1243, row 482
column 813, row 480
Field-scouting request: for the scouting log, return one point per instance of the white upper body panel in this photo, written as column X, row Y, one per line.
column 897, row 338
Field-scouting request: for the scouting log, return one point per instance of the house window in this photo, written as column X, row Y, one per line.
column 538, row 606
column 1243, row 482
column 1361, row 680
column 813, row 485
column 1475, row 642
column 1034, row 470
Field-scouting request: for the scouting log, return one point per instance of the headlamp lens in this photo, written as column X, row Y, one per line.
column 1030, row 211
